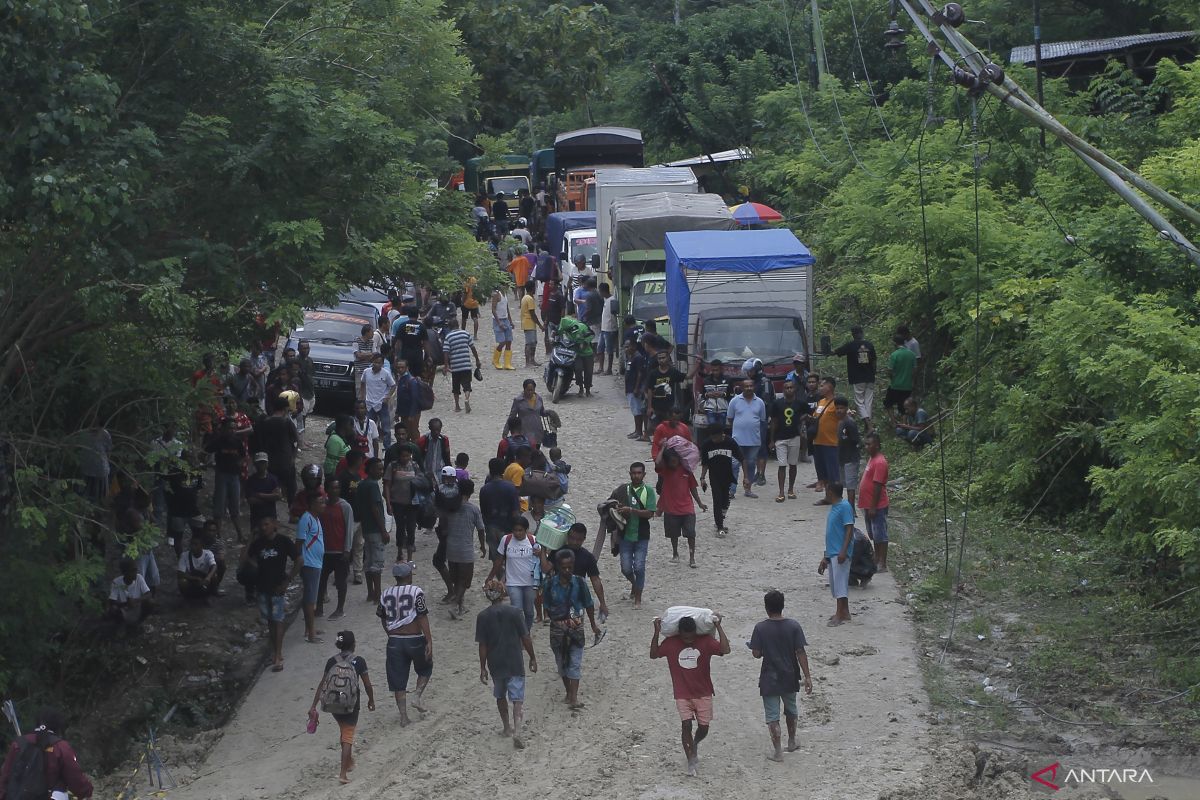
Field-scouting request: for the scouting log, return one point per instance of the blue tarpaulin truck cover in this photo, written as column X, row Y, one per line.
column 560, row 222
column 691, row 254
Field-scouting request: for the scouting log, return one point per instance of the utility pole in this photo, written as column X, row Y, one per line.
column 818, row 42
column 1037, row 60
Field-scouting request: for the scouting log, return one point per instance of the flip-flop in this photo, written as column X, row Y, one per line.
column 277, row 668
column 791, row 495
column 314, row 640
column 600, row 636
column 780, row 499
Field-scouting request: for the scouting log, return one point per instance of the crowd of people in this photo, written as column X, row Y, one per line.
column 385, row 475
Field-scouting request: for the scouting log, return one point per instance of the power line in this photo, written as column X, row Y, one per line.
column 867, row 74
column 837, row 109
column 787, row 23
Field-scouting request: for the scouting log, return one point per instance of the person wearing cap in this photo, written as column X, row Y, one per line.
column 522, row 232
column 405, row 617
column 501, row 633
column 263, row 491
column 348, row 722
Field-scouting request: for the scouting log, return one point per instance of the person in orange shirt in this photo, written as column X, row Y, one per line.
column 520, row 269
column 825, row 446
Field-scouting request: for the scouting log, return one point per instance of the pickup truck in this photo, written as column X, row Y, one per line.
column 332, row 334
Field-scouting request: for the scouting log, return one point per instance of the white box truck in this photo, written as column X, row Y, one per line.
column 625, row 182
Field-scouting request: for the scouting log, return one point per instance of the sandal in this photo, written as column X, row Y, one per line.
column 791, row 495
column 779, row 499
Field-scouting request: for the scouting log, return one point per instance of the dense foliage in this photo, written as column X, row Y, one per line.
column 171, row 173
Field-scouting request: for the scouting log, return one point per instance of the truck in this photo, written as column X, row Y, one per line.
column 612, row 184
column 737, row 295
column 638, row 224
column 508, row 178
column 571, row 233
column 578, row 154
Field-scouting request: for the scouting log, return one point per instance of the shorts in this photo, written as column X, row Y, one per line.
column 697, row 708
column 573, row 668
column 460, row 381
column 771, row 706
column 473, row 313
column 877, row 526
column 826, row 457
column 310, row 578
column 346, row 727
column 850, row 475
column 514, row 688
column 372, row 553
column 894, row 398
column 608, row 342
column 676, row 525
column 787, row 451
column 531, row 338
column 839, row 577
column 637, row 403
column 403, row 653
column 864, row 398
column 272, row 607
column 502, row 329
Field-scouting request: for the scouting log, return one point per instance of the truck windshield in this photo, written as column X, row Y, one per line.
column 772, row 339
column 509, row 185
column 582, row 246
column 648, row 294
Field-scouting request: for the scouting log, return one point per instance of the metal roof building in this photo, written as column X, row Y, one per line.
column 1088, row 56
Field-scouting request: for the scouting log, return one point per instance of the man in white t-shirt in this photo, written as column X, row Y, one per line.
column 516, row 565
column 129, row 596
column 607, row 348
column 197, row 571
column 378, row 388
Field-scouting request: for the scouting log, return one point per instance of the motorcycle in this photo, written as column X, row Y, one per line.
column 560, row 368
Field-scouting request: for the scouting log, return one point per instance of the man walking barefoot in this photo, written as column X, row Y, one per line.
column 689, row 658
column 780, row 643
column 501, row 634
column 405, row 618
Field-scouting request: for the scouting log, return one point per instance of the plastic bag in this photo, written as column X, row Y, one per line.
column 703, row 617
column 689, row 454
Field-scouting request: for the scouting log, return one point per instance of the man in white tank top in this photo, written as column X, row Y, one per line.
column 502, row 327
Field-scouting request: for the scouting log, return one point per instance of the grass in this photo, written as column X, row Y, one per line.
column 1069, row 624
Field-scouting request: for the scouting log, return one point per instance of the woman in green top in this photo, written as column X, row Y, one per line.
column 336, row 447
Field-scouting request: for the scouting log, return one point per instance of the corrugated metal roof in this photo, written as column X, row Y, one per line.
column 1052, row 51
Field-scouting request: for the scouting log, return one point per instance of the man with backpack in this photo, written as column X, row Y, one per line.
column 41, row 762
column 404, row 615
column 338, row 695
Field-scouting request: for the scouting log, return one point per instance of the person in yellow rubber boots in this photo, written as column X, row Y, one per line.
column 502, row 327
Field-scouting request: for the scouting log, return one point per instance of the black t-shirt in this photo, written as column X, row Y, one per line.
column 719, row 458
column 228, row 450
column 553, row 310
column 788, row 416
column 664, row 388
column 276, row 436
column 261, row 509
column 593, row 307
column 526, row 207
column 849, row 441
column 499, row 503
column 635, row 370
column 860, row 360
column 412, row 336
column 499, row 209
column 585, row 563
column 272, row 556
column 181, row 494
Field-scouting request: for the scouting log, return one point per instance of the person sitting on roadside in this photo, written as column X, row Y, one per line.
column 915, row 426
column 129, row 596
column 197, row 573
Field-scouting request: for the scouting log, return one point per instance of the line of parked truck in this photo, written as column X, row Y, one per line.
column 675, row 257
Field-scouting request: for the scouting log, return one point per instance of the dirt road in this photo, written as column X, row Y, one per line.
column 861, row 732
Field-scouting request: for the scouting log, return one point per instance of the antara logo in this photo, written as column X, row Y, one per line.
column 1047, row 776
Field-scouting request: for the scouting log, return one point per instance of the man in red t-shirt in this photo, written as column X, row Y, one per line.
column 671, row 426
column 689, row 657
column 873, row 498
column 678, row 490
column 337, row 522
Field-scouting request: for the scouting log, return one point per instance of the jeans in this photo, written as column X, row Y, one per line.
column 750, row 456
column 383, row 419
column 633, row 561
column 147, row 566
column 522, row 598
column 227, row 494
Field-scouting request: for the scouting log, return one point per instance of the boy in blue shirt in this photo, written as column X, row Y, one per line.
column 839, row 547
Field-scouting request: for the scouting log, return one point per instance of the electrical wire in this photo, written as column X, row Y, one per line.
column 976, row 368
column 837, row 110
column 931, row 310
column 866, row 73
column 787, row 23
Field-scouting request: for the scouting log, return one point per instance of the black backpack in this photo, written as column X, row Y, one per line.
column 447, row 498
column 27, row 780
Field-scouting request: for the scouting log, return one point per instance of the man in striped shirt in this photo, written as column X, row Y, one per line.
column 458, row 347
